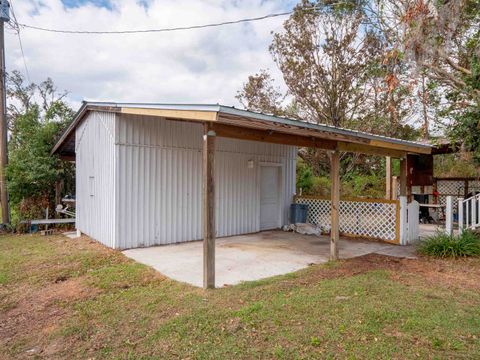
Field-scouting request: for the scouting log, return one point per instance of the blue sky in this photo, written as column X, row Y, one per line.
column 202, row 66
column 78, row 3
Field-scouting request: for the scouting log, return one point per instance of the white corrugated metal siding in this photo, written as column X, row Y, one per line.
column 95, row 177
column 159, row 182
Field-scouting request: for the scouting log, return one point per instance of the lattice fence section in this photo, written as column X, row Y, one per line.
column 375, row 219
column 455, row 188
column 473, row 185
column 451, row 187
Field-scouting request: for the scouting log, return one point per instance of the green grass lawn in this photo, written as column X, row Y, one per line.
column 62, row 298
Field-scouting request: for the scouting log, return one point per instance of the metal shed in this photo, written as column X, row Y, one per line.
column 150, row 174
column 139, row 180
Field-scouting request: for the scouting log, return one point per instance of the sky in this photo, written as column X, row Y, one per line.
column 197, row 66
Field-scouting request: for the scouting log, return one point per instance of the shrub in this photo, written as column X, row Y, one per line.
column 445, row 246
column 321, row 186
column 372, row 186
column 305, row 179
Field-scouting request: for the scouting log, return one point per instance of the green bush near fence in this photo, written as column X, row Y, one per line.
column 451, row 246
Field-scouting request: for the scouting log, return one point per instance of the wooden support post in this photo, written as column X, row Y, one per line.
column 394, row 188
column 4, row 204
column 335, row 200
column 208, row 208
column 403, row 177
column 388, row 178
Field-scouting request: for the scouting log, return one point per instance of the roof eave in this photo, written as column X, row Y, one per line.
column 213, row 112
column 86, row 106
column 320, row 127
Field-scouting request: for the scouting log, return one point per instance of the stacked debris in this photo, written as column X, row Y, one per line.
column 307, row 229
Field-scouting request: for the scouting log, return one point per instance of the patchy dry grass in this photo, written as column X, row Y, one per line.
column 75, row 299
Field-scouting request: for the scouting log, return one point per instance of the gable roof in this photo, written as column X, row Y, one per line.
column 233, row 122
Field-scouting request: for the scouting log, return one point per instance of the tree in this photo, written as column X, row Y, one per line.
column 336, row 70
column 325, row 57
column 260, row 94
column 441, row 41
column 444, row 38
column 36, row 114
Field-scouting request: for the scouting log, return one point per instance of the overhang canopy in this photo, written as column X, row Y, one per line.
column 242, row 124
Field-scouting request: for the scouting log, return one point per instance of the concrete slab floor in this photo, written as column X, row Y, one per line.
column 255, row 256
column 427, row 230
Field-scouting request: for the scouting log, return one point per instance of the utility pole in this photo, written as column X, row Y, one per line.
column 4, row 17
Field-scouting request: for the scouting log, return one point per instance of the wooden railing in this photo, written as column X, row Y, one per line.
column 469, row 213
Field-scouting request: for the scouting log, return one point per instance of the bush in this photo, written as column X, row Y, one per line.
column 305, row 179
column 372, row 186
column 450, row 246
column 321, row 186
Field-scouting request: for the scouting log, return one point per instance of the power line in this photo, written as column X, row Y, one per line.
column 160, row 30
column 23, row 56
column 180, row 28
column 16, row 27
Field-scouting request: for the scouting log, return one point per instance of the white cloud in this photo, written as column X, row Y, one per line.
column 200, row 66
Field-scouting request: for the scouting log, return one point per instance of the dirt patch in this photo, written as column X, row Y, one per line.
column 37, row 312
column 458, row 273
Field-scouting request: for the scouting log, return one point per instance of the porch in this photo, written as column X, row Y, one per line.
column 255, row 256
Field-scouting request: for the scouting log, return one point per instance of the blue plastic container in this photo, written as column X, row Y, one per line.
column 298, row 213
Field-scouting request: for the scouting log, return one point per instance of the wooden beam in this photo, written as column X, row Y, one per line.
column 237, row 132
column 178, row 114
column 388, row 178
column 401, row 147
column 403, row 177
column 394, row 187
column 380, row 144
column 208, row 207
column 335, row 201
column 369, row 150
column 277, row 137
column 290, row 129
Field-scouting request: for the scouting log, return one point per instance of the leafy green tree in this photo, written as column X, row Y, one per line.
column 336, row 70
column 36, row 115
column 305, row 178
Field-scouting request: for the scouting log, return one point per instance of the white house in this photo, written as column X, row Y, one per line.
column 139, row 180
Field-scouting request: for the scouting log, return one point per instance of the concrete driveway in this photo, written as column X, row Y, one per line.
column 254, row 256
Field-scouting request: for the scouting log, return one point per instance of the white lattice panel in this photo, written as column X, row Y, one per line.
column 451, row 187
column 473, row 185
column 455, row 188
column 358, row 218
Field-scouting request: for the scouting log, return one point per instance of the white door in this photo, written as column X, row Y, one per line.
column 270, row 206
